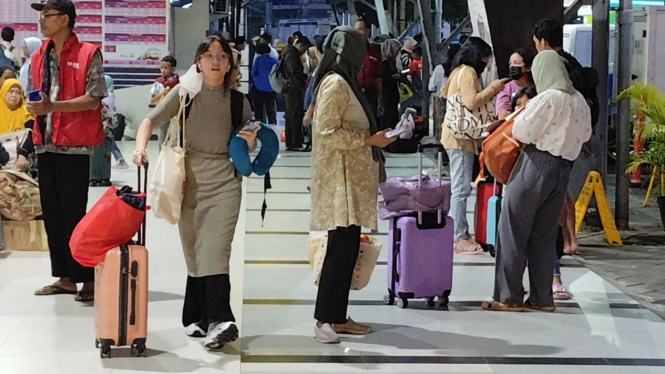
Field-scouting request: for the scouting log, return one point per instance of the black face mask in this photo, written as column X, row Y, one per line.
column 516, row 73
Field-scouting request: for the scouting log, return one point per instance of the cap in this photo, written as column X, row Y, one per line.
column 63, row 6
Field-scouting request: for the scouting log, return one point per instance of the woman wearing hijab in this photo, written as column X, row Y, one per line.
column 213, row 189
column 345, row 176
column 553, row 127
column 470, row 62
column 30, row 45
column 390, row 82
column 15, row 117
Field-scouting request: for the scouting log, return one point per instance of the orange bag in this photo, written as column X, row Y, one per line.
column 500, row 151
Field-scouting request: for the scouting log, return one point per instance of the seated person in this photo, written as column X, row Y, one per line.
column 6, row 73
column 15, row 117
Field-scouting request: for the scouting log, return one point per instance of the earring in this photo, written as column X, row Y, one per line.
column 198, row 69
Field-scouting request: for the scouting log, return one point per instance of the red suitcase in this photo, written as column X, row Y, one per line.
column 485, row 191
column 121, row 296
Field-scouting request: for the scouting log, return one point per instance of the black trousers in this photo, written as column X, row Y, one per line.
column 295, row 100
column 332, row 300
column 264, row 104
column 207, row 300
column 63, row 188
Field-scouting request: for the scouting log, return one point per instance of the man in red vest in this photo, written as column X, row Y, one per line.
column 369, row 77
column 69, row 76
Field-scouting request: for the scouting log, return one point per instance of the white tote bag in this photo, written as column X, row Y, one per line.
column 167, row 185
column 362, row 272
column 13, row 143
column 463, row 122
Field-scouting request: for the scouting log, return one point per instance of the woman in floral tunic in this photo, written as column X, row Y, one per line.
column 345, row 176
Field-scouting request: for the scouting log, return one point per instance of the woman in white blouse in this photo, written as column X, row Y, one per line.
column 553, row 127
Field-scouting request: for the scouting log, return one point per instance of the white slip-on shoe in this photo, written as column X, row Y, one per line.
column 195, row 331
column 221, row 333
column 325, row 334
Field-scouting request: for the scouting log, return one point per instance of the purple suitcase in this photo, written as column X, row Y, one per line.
column 421, row 262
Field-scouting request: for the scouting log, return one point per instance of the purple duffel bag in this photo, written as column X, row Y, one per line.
column 402, row 196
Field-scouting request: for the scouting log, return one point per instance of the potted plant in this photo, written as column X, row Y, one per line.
column 651, row 105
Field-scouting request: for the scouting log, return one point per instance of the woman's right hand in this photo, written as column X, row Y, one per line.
column 379, row 139
column 139, row 156
column 499, row 84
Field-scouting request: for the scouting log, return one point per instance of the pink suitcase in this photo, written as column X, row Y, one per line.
column 121, row 297
column 420, row 263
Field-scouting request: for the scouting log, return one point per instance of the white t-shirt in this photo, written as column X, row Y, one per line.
column 555, row 122
column 438, row 80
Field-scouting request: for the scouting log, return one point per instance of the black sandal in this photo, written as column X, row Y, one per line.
column 53, row 289
column 85, row 296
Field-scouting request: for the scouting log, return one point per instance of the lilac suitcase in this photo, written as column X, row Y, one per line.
column 421, row 261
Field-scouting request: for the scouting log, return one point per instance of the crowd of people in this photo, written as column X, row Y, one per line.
column 344, row 89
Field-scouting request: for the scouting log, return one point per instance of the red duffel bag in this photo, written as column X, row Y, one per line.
column 112, row 222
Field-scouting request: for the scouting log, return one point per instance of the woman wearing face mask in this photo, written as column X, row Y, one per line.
column 30, row 45
column 212, row 193
column 470, row 62
column 520, row 76
column 554, row 125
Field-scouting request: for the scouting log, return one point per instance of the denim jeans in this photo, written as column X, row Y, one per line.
column 116, row 152
column 461, row 176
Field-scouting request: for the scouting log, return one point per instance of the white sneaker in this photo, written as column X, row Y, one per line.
column 325, row 334
column 195, row 331
column 220, row 334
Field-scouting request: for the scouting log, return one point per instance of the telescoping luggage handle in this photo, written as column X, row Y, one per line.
column 421, row 149
column 141, row 232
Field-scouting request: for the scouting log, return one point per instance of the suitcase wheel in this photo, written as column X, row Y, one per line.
column 139, row 350
column 430, row 302
column 96, row 343
column 402, row 303
column 105, row 351
column 95, row 183
column 105, row 183
column 389, row 299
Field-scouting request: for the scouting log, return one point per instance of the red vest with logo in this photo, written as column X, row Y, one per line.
column 82, row 129
column 372, row 68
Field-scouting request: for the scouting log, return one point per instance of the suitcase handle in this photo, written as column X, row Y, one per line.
column 145, row 166
column 440, row 149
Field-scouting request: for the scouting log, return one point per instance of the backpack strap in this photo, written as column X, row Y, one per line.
column 188, row 109
column 237, row 106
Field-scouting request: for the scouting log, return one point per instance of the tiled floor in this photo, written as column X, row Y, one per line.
column 601, row 331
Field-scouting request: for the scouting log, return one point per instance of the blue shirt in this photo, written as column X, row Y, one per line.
column 260, row 72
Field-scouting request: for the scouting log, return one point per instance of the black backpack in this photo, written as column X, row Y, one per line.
column 585, row 80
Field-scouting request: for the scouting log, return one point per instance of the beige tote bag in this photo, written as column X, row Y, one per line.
column 167, row 185
column 367, row 258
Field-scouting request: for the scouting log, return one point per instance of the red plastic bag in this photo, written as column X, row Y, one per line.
column 110, row 223
column 283, row 137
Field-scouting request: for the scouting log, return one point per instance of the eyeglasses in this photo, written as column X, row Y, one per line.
column 45, row 16
column 218, row 58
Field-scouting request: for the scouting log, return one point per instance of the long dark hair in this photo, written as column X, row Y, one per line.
column 204, row 47
column 472, row 54
column 452, row 52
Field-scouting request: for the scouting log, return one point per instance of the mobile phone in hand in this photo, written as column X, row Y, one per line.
column 395, row 133
column 35, row 96
column 251, row 125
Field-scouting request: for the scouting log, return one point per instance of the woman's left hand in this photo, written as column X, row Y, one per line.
column 250, row 137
